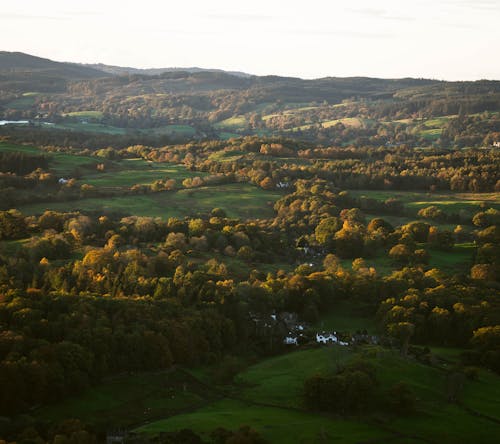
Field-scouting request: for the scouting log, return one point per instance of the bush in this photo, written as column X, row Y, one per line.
column 401, row 399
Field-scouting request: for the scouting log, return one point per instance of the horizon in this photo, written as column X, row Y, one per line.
column 442, row 40
column 215, row 69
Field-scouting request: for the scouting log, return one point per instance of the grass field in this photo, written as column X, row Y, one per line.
column 268, row 398
column 28, row 149
column 227, row 156
column 238, row 200
column 225, row 135
column 233, row 123
column 431, row 134
column 278, row 381
column 460, row 258
column 276, row 424
column 139, row 171
column 86, row 114
column 89, row 127
column 173, row 130
column 447, row 202
column 22, row 103
column 128, row 400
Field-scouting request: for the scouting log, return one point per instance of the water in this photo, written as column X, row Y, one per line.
column 15, row 122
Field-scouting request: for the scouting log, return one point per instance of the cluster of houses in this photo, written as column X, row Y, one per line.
column 285, row 325
column 325, row 338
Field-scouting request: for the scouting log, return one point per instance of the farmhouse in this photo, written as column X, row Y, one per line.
column 329, row 338
column 326, row 338
column 291, row 340
column 282, row 185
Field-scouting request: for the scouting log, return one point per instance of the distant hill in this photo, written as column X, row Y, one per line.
column 122, row 70
column 17, row 70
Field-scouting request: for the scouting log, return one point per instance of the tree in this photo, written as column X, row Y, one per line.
column 432, row 213
column 483, row 272
column 325, row 231
column 267, row 184
column 12, row 225
column 401, row 399
column 402, row 331
column 400, row 253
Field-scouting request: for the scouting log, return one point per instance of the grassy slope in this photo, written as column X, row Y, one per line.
column 448, row 202
column 86, row 114
column 275, row 424
column 139, row 171
column 269, row 400
column 236, row 122
column 128, row 400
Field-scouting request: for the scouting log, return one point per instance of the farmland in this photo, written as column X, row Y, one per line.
column 275, row 386
column 238, row 200
column 268, row 397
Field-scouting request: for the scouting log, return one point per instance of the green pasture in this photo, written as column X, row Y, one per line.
column 21, row 103
column 276, row 424
column 354, row 122
column 89, row 127
column 447, row 202
column 61, row 163
column 431, row 134
column 235, row 122
column 458, row 258
column 279, row 381
column 227, row 156
column 173, row 130
column 238, row 200
column 28, row 149
column 64, row 164
column 438, row 122
column 267, row 396
column 225, row 135
column 128, row 400
column 86, row 114
column 138, row 171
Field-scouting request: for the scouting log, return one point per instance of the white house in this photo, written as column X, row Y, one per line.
column 327, row 338
column 282, row 185
column 289, row 340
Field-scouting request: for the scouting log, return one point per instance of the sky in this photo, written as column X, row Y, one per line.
column 439, row 39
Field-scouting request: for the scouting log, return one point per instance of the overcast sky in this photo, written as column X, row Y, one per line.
column 441, row 39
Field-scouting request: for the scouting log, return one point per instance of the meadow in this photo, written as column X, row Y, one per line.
column 126, row 400
column 450, row 203
column 238, row 200
column 267, row 396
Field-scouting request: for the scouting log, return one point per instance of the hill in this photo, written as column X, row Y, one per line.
column 19, row 71
column 127, row 70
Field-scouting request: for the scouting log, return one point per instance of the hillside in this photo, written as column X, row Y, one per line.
column 185, row 104
column 19, row 71
column 127, row 70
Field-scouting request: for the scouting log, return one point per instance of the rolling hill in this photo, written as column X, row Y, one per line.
column 19, row 70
